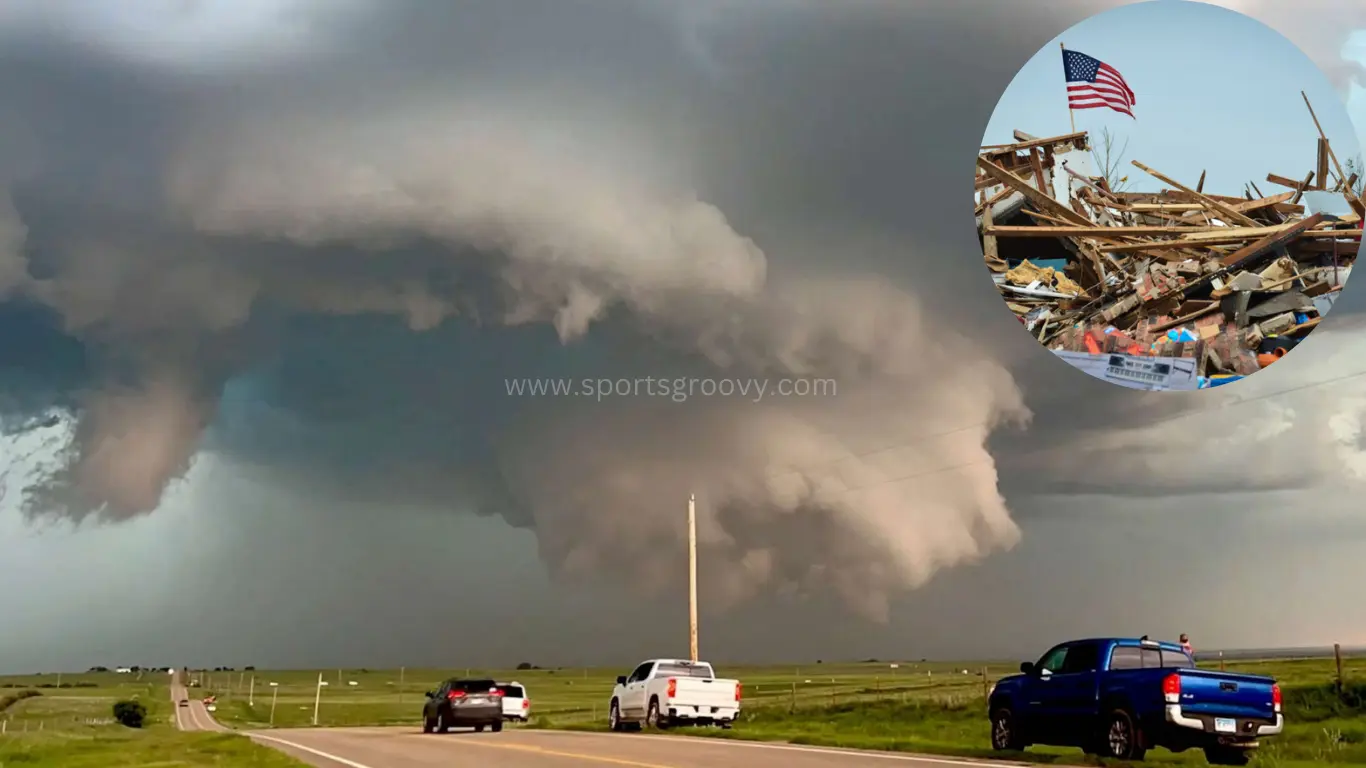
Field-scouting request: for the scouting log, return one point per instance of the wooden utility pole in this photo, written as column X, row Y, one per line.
column 692, row 576
column 1337, row 659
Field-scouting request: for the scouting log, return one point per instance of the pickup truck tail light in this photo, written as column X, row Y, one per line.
column 1276, row 696
column 737, row 691
column 1171, row 689
column 526, row 703
column 673, row 688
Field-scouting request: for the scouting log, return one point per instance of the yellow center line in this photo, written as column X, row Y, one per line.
column 571, row 755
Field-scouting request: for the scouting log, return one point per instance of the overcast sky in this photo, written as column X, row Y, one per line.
column 1181, row 130
column 261, row 284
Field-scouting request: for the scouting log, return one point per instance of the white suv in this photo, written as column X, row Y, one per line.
column 516, row 705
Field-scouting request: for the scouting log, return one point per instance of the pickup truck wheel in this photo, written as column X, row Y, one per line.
column 652, row 718
column 614, row 717
column 1120, row 739
column 1005, row 734
column 479, row 728
column 1227, row 756
column 496, row 726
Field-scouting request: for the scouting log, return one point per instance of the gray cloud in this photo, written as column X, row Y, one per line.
column 297, row 281
column 305, row 188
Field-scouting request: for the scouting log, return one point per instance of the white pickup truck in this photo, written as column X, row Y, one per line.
column 661, row 693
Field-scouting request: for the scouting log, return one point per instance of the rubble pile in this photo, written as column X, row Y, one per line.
column 1229, row 284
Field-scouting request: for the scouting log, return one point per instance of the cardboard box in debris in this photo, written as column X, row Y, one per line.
column 1233, row 282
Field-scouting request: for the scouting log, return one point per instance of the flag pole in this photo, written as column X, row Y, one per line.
column 1071, row 115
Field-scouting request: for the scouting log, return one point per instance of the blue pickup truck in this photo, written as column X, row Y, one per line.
column 1120, row 697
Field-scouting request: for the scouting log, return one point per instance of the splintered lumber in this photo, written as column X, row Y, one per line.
column 1214, row 205
column 1005, row 149
column 1176, row 272
column 1356, row 202
column 1273, row 240
column 1039, row 199
column 1108, row 233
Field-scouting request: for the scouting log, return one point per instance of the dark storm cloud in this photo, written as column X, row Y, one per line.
column 621, row 190
column 337, row 253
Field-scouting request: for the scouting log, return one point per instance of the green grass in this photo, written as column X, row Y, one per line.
column 71, row 726
column 916, row 707
column 561, row 696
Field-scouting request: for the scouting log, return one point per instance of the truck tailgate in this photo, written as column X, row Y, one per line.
column 1226, row 694
column 705, row 692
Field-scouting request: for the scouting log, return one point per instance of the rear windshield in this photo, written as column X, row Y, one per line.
column 1133, row 657
column 684, row 670
column 473, row 686
column 513, row 691
column 1176, row 659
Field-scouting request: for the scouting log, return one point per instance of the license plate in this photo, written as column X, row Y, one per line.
column 1225, row 725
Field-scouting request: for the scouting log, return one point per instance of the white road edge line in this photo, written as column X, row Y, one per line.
column 310, row 750
column 816, row 750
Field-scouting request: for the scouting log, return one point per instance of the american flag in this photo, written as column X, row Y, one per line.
column 1091, row 84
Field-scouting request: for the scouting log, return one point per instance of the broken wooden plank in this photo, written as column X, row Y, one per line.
column 1162, row 245
column 1322, row 167
column 1111, row 233
column 1221, row 208
column 1271, row 241
column 1040, row 200
column 1004, row 149
column 1352, row 198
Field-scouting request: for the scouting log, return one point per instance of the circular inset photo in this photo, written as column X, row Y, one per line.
column 1169, row 196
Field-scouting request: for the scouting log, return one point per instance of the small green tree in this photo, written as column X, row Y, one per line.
column 130, row 713
column 1109, row 157
column 1355, row 167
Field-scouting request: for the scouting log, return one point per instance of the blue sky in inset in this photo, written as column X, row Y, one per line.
column 1216, row 91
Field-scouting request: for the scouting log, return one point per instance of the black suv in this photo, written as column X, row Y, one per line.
column 463, row 703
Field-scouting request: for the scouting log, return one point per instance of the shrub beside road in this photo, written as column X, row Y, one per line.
column 71, row 725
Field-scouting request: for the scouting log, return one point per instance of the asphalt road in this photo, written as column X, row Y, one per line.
column 404, row 747
column 193, row 717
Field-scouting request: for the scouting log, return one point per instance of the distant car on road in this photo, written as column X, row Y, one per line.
column 662, row 693
column 516, row 705
column 463, row 703
column 1119, row 697
column 184, row 702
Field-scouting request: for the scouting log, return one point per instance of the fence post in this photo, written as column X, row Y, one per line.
column 793, row 705
column 986, row 684
column 877, row 687
column 1337, row 660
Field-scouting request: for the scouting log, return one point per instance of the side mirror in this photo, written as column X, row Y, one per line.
column 431, row 694
column 621, row 679
column 1027, row 667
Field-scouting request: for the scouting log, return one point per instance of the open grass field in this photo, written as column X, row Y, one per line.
column 70, row 725
column 919, row 707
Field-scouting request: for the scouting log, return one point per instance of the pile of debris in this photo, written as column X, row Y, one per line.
column 1228, row 284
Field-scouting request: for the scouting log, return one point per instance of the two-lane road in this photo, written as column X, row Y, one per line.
column 403, row 747
column 519, row 748
column 193, row 717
